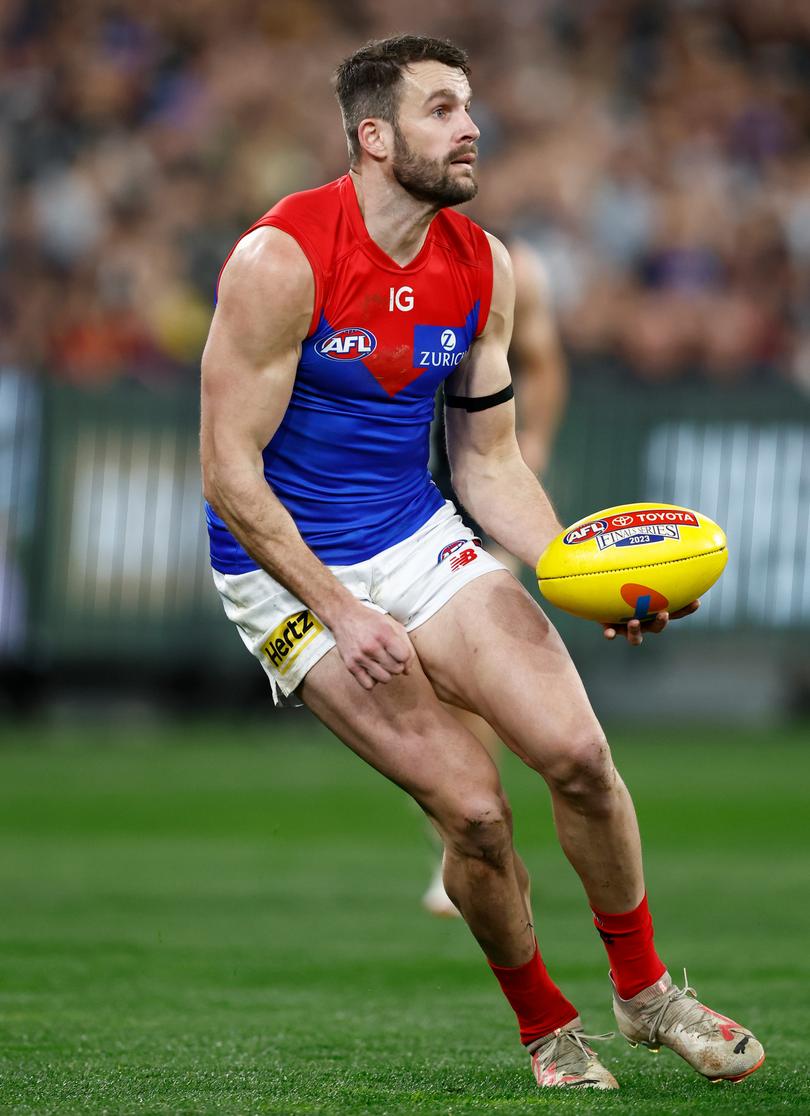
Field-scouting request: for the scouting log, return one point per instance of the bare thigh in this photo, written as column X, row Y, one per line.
column 403, row 731
column 492, row 649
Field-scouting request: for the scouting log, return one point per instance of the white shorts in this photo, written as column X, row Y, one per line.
column 410, row 581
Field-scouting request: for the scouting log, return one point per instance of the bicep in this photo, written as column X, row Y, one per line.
column 244, row 393
column 485, row 373
column 253, row 348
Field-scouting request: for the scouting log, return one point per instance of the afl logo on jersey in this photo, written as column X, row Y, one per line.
column 351, row 343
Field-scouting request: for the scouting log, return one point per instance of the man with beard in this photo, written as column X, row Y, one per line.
column 359, row 588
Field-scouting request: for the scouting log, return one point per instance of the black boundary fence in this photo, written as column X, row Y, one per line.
column 103, row 551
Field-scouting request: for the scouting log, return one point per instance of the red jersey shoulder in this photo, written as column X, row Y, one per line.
column 463, row 237
column 308, row 205
column 314, row 219
column 468, row 243
column 313, row 215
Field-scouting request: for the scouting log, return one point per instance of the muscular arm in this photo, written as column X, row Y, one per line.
column 248, row 370
column 488, row 472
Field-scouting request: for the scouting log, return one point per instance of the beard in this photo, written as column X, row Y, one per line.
column 430, row 180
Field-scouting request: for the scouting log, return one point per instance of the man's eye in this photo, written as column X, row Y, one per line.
column 439, row 112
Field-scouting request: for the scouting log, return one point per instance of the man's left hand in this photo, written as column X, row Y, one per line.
column 635, row 630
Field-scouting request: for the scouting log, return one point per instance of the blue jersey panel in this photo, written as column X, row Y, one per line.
column 349, row 460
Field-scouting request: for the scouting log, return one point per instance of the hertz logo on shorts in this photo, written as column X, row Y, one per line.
column 289, row 638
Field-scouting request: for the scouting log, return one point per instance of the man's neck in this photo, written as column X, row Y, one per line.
column 396, row 221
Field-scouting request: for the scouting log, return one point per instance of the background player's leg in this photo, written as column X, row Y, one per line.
column 402, row 730
column 509, row 664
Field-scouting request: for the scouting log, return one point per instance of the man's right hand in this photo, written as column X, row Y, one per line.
column 373, row 645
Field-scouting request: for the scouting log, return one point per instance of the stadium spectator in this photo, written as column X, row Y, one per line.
column 655, row 154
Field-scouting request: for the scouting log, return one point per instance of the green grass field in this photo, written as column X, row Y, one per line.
column 221, row 918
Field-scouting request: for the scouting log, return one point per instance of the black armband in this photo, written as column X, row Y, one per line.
column 481, row 402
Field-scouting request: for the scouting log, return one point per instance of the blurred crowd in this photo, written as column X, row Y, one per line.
column 655, row 155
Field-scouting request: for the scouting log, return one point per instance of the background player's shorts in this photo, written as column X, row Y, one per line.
column 410, row 581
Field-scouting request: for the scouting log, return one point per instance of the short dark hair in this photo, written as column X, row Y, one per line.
column 367, row 82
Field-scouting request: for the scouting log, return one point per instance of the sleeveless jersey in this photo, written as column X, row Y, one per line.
column 349, row 460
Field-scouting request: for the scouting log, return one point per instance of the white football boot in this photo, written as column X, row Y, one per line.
column 712, row 1044
column 436, row 900
column 564, row 1060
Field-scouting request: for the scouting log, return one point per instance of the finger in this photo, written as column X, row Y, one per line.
column 658, row 624
column 400, row 651
column 398, row 657
column 385, row 657
column 687, row 610
column 406, row 655
column 363, row 677
column 377, row 672
column 609, row 632
column 634, row 635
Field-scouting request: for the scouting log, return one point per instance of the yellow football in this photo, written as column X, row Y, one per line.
column 632, row 561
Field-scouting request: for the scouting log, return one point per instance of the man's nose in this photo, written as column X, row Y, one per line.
column 469, row 131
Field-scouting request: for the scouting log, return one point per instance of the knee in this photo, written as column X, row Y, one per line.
column 583, row 772
column 480, row 828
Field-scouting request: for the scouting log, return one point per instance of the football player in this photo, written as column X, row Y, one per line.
column 360, row 589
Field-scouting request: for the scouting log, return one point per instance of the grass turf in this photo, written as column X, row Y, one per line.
column 224, row 918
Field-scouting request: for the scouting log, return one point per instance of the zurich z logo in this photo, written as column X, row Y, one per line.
column 351, row 343
column 438, row 346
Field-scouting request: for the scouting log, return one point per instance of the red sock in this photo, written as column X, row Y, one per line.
column 628, row 938
column 536, row 1000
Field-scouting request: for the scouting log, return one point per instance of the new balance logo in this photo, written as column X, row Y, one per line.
column 463, row 558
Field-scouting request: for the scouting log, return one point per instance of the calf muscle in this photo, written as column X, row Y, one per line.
column 403, row 731
column 539, row 708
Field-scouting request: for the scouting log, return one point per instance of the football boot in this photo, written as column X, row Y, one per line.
column 712, row 1044
column 564, row 1059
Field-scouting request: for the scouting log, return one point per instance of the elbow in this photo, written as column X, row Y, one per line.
column 459, row 479
column 457, row 482
column 227, row 477
column 210, row 486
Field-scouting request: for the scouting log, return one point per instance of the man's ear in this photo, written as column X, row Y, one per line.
column 376, row 137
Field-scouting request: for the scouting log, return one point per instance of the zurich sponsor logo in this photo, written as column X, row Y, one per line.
column 439, row 346
column 585, row 532
column 350, row 343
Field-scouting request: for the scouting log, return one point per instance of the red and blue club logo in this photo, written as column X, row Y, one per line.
column 645, row 602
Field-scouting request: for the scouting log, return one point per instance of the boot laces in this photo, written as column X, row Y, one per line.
column 567, row 1049
column 689, row 1013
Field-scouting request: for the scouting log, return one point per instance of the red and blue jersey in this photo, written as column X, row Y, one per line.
column 349, row 460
